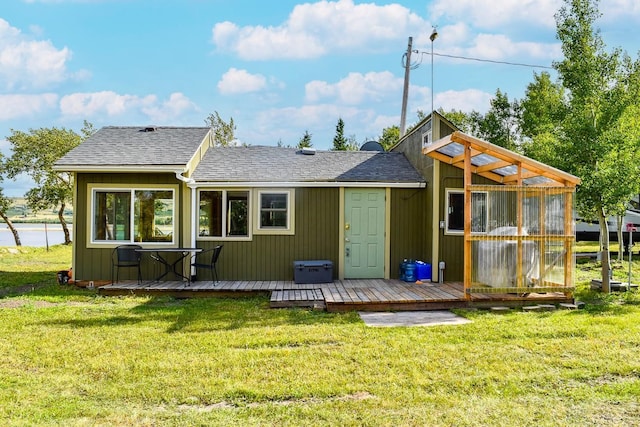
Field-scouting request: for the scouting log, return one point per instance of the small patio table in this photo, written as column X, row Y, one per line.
column 177, row 266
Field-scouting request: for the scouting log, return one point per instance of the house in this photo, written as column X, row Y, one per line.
column 269, row 206
column 479, row 214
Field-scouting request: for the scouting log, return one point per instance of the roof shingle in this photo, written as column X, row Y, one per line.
column 133, row 146
column 277, row 164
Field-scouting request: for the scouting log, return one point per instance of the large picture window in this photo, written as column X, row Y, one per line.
column 223, row 213
column 133, row 215
column 455, row 212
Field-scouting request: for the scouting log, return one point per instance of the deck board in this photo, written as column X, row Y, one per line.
column 340, row 295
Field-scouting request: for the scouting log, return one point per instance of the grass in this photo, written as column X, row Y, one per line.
column 73, row 358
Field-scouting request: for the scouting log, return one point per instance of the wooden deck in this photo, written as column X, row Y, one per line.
column 340, row 295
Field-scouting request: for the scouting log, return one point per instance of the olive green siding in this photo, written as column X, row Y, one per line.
column 408, row 225
column 452, row 246
column 271, row 257
column 411, row 146
column 263, row 257
column 95, row 263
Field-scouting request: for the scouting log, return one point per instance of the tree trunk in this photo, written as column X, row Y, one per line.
column 621, row 246
column 65, row 229
column 604, row 248
column 16, row 236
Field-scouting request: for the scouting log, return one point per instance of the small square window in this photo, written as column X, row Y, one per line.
column 275, row 212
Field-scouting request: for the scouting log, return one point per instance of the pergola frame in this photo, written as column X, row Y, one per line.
column 509, row 170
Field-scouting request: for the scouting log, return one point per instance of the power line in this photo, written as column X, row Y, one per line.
column 485, row 60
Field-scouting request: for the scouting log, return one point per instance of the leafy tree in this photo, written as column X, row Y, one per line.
column 223, row 132
column 543, row 107
column 352, row 144
column 339, row 141
column 34, row 154
column 498, row 125
column 466, row 122
column 595, row 136
column 390, row 136
column 5, row 204
column 305, row 141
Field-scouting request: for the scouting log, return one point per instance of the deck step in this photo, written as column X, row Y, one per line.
column 311, row 298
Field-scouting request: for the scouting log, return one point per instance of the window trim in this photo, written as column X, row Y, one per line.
column 449, row 232
column 92, row 188
column 290, row 228
column 225, row 237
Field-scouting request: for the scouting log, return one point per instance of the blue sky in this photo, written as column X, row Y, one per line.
column 278, row 68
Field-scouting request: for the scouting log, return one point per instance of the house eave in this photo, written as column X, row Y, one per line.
column 312, row 184
column 121, row 168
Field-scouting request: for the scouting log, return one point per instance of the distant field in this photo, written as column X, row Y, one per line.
column 19, row 212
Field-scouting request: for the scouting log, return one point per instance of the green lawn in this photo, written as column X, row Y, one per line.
column 73, row 358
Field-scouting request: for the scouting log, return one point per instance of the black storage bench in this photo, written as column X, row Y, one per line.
column 317, row 271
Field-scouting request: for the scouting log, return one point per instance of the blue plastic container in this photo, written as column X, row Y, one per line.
column 410, row 272
column 423, row 270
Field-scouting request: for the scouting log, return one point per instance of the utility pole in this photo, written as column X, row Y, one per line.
column 405, row 91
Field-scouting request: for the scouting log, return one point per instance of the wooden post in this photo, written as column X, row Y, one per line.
column 467, row 219
column 569, row 239
column 542, row 230
column 519, row 278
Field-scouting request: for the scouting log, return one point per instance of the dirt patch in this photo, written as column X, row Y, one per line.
column 19, row 290
column 17, row 303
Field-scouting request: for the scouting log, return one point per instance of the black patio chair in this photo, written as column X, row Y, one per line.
column 207, row 260
column 126, row 256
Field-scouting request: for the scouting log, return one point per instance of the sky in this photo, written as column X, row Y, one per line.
column 277, row 68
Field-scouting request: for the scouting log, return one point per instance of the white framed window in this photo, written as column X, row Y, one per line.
column 454, row 215
column 224, row 214
column 426, row 139
column 275, row 211
column 427, row 135
column 125, row 214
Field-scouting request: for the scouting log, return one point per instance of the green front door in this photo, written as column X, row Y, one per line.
column 364, row 220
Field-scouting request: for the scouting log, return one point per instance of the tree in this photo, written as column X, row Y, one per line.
column 339, row 141
column 223, row 132
column 594, row 139
column 5, row 204
column 34, row 154
column 305, row 141
column 498, row 125
column 390, row 136
column 467, row 122
column 543, row 107
column 543, row 110
column 352, row 144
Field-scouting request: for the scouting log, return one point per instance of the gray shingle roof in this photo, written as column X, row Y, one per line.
column 277, row 164
column 133, row 146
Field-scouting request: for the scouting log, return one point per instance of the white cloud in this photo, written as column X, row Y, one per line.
column 356, row 88
column 613, row 10
column 29, row 63
column 465, row 100
column 169, row 110
column 112, row 104
column 237, row 81
column 499, row 47
column 490, row 14
column 313, row 29
column 101, row 103
column 17, row 106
